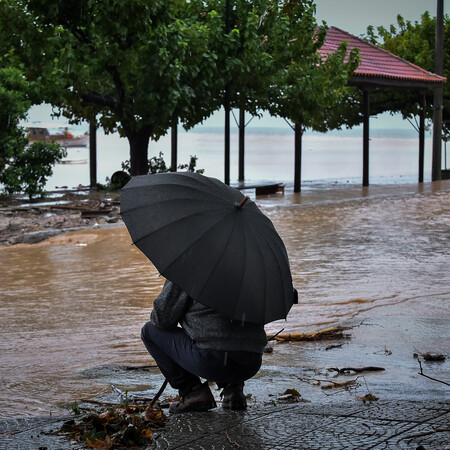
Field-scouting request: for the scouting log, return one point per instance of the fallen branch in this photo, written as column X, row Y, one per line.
column 357, row 369
column 342, row 384
column 333, row 384
column 329, row 333
column 431, row 378
column 151, row 366
column 149, row 411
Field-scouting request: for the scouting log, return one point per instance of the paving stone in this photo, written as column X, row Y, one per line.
column 380, row 425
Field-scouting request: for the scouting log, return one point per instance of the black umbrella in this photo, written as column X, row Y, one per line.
column 209, row 240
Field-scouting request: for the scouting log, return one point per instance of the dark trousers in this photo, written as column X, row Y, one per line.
column 183, row 363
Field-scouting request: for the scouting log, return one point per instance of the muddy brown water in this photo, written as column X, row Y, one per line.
column 79, row 300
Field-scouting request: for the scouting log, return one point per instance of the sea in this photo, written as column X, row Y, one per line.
column 329, row 158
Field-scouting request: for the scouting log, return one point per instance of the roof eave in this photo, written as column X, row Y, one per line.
column 371, row 81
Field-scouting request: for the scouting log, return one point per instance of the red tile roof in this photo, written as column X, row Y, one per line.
column 377, row 62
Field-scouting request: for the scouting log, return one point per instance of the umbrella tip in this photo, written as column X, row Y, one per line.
column 243, row 201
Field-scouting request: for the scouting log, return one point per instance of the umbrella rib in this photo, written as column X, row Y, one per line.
column 214, row 197
column 269, row 245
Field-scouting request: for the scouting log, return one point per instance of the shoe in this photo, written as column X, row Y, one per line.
column 233, row 397
column 199, row 399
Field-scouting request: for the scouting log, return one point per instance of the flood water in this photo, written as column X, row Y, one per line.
column 79, row 300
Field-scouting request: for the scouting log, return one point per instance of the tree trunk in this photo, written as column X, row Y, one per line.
column 139, row 151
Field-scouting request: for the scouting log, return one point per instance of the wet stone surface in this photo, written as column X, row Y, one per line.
column 399, row 424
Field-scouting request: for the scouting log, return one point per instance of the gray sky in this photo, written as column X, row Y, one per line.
column 355, row 15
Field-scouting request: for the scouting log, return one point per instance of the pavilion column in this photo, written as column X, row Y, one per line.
column 241, row 144
column 298, row 157
column 422, row 136
column 174, row 143
column 366, row 112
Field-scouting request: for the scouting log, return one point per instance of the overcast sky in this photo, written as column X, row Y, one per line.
column 355, row 16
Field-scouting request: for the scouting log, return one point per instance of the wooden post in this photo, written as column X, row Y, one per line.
column 298, row 157
column 366, row 112
column 422, row 136
column 241, row 144
column 93, row 153
column 174, row 142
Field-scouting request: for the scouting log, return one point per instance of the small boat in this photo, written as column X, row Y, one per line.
column 57, row 133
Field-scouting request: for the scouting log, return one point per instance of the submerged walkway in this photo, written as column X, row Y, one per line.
column 382, row 424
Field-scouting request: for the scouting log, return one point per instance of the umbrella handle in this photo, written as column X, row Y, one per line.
column 244, row 200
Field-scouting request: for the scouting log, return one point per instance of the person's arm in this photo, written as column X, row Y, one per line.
column 169, row 307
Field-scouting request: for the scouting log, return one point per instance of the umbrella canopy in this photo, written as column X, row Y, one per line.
column 200, row 235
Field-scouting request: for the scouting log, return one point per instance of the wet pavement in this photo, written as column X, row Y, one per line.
column 383, row 424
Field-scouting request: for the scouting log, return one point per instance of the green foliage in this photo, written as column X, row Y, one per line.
column 29, row 167
column 140, row 67
column 414, row 42
column 305, row 87
column 23, row 168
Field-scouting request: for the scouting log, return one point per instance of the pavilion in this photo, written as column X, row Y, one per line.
column 378, row 69
column 382, row 69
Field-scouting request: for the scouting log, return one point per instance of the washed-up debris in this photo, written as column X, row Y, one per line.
column 347, row 370
column 333, row 346
column 328, row 333
column 340, row 384
column 368, row 398
column 116, row 427
column 385, row 352
column 433, row 357
column 289, row 396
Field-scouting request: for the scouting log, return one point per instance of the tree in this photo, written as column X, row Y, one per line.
column 23, row 167
column 307, row 89
column 307, row 86
column 414, row 42
column 138, row 65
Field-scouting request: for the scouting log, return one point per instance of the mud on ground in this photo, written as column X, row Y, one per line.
column 29, row 222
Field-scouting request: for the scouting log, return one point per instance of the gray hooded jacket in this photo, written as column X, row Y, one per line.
column 205, row 326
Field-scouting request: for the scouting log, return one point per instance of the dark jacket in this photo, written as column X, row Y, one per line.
column 205, row 326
